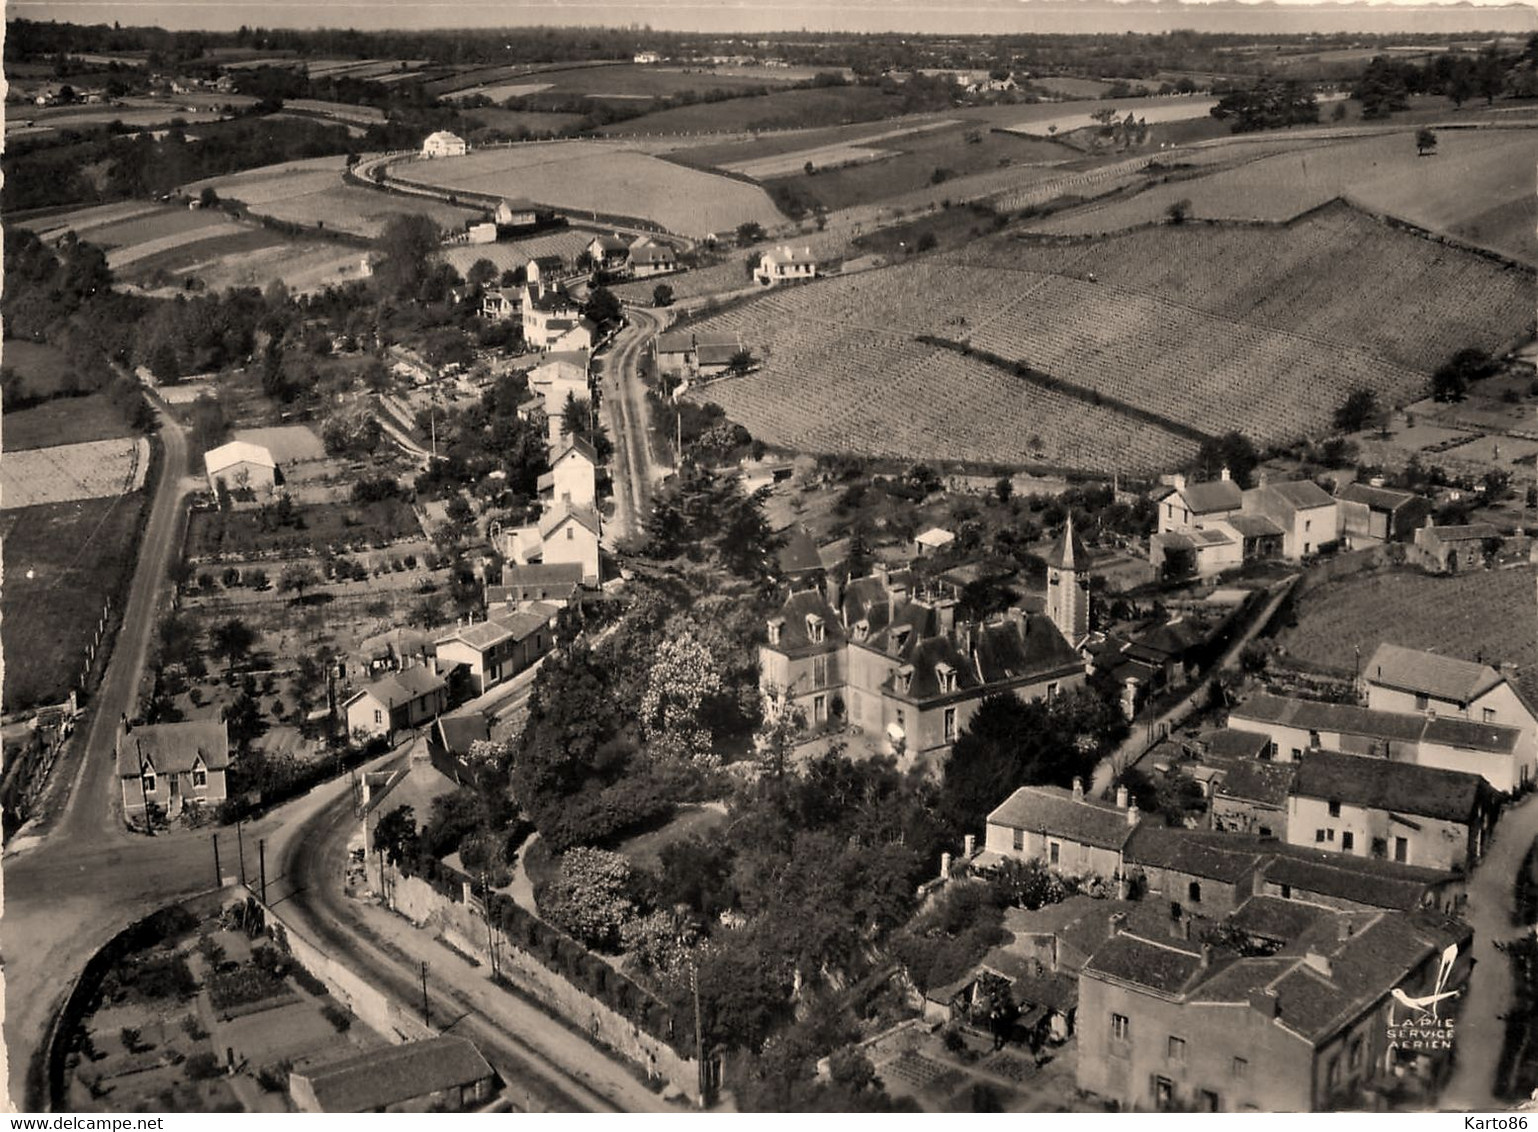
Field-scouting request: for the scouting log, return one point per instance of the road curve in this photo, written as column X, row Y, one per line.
column 624, row 400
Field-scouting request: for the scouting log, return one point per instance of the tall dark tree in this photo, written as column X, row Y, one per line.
column 409, row 244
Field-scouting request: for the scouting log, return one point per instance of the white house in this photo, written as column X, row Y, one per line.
column 548, row 313
column 400, row 701
column 1308, row 515
column 500, row 647
column 444, row 144
column 932, row 541
column 569, row 533
column 647, row 257
column 582, row 336
column 517, row 213
column 241, row 465
column 1186, row 506
column 573, row 475
column 561, row 376
column 501, row 304
column 608, row 253
column 785, row 264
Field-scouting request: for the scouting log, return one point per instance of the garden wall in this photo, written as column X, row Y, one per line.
column 521, row 963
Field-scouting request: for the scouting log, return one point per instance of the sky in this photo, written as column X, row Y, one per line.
column 727, row 16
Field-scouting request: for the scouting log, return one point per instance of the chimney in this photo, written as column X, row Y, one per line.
column 945, row 866
column 835, row 595
column 1178, row 481
column 946, row 610
column 1224, row 473
column 1078, row 790
column 1206, row 960
column 1132, row 814
column 1121, row 797
column 1266, row 1003
column 1180, row 927
column 969, row 846
column 1115, row 924
column 1318, row 962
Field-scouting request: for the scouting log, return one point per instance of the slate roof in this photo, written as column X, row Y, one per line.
column 1236, row 743
column 1264, row 783
column 403, row 687
column 715, row 353
column 1300, row 495
column 1312, row 715
column 1161, row 967
column 609, row 244
column 1271, row 917
column 789, row 255
column 376, row 1078
column 798, row 553
column 1254, row 526
column 1467, row 532
column 1423, row 791
column 1375, row 498
column 1365, row 881
column 1162, row 847
column 1068, row 552
column 456, row 732
column 552, row 521
column 1466, row 733
column 1214, row 495
column 580, row 446
column 1053, row 809
column 173, row 748
column 794, row 635
column 649, row 254
column 542, row 574
column 1429, row 673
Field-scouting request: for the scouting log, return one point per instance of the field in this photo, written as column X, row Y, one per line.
column 1484, row 615
column 64, row 420
column 61, row 561
column 209, row 252
column 1477, row 186
column 341, row 111
column 588, row 176
column 43, row 368
column 1152, row 111
column 567, row 243
column 534, row 121
column 827, row 155
column 63, row 473
column 302, row 266
column 782, row 110
column 240, row 534
column 883, row 396
column 84, row 220
column 1426, row 299
column 610, row 80
column 313, row 193
column 148, row 227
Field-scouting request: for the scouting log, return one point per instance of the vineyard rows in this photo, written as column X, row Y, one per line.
column 880, row 395
column 1426, row 300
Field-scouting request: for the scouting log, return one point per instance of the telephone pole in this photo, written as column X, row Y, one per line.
column 240, row 845
column 218, row 872
column 699, row 1038
column 426, row 1018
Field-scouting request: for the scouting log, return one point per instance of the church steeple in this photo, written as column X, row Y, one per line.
column 1068, row 585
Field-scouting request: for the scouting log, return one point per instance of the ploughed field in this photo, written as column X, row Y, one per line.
column 1131, row 348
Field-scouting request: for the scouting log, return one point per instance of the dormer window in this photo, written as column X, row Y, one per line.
column 814, row 628
column 900, row 635
column 905, row 679
column 946, row 675
column 776, row 625
column 148, row 780
column 199, row 776
column 861, row 629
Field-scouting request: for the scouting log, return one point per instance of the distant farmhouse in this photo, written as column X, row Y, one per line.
column 241, row 466
column 785, row 264
column 444, row 144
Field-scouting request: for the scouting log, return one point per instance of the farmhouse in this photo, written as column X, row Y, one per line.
column 521, row 213
column 582, row 335
column 501, row 303
column 1199, row 552
column 445, row 1073
column 241, row 466
column 485, row 233
column 1168, row 1023
column 548, row 314
column 172, row 765
column 1415, row 815
column 647, row 257
column 544, row 271
column 444, row 144
column 560, row 378
column 417, row 784
column 1067, row 830
column 1371, row 515
column 1454, row 549
column 500, row 647
column 903, row 667
column 525, row 583
column 687, row 353
column 1251, row 796
column 608, row 253
column 785, row 264
column 400, row 701
column 1307, row 514
column 1183, row 506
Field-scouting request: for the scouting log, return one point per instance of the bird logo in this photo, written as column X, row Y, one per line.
column 1426, row 1006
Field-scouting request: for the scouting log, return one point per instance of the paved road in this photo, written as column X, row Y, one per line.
column 1480, row 1031
column 548, row 1067
column 629, row 421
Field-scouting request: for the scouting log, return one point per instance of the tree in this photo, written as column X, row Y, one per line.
column 740, row 362
column 683, row 678
column 232, row 640
column 1452, row 379
column 1179, row 211
column 1357, row 411
column 783, row 723
column 749, row 232
column 396, row 835
column 208, row 198
column 297, row 576
column 409, row 243
column 603, row 307
column 662, row 295
column 1232, row 450
column 482, row 273
column 590, row 897
column 1425, row 141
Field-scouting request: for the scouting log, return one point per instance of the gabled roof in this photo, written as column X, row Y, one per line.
column 1422, row 791
column 1271, row 917
column 1214, row 495
column 1253, row 526
column 173, row 748
column 580, row 446
column 376, row 1078
column 1366, row 881
column 1472, row 736
column 1068, row 551
column 236, row 452
column 554, row 520
column 1300, row 495
column 1033, row 646
column 609, row 243
column 1467, row 532
column 1055, row 811
column 650, row 253
column 1162, row 847
column 403, row 687
column 797, row 554
column 1234, row 743
column 935, row 537
column 788, row 255
column 1163, row 967
column 479, row 635
column 455, row 733
column 1430, row 674
column 1313, row 715
column 1376, row 498
column 542, row 575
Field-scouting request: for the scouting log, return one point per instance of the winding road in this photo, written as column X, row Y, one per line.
column 636, row 471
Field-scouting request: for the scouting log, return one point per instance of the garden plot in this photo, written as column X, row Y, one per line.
column 512, row 254
column 67, row 472
column 824, row 156
column 150, row 227
column 221, row 228
column 83, row 220
column 499, row 91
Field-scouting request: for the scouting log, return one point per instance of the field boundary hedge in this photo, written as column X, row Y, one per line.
column 1067, row 388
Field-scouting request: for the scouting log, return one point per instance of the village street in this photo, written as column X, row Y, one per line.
column 627, row 414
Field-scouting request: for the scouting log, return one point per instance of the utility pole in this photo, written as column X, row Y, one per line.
column 240, row 846
column 426, row 1019
column 261, row 860
column 218, row 872
column 699, row 1038
column 491, row 943
column 678, row 417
